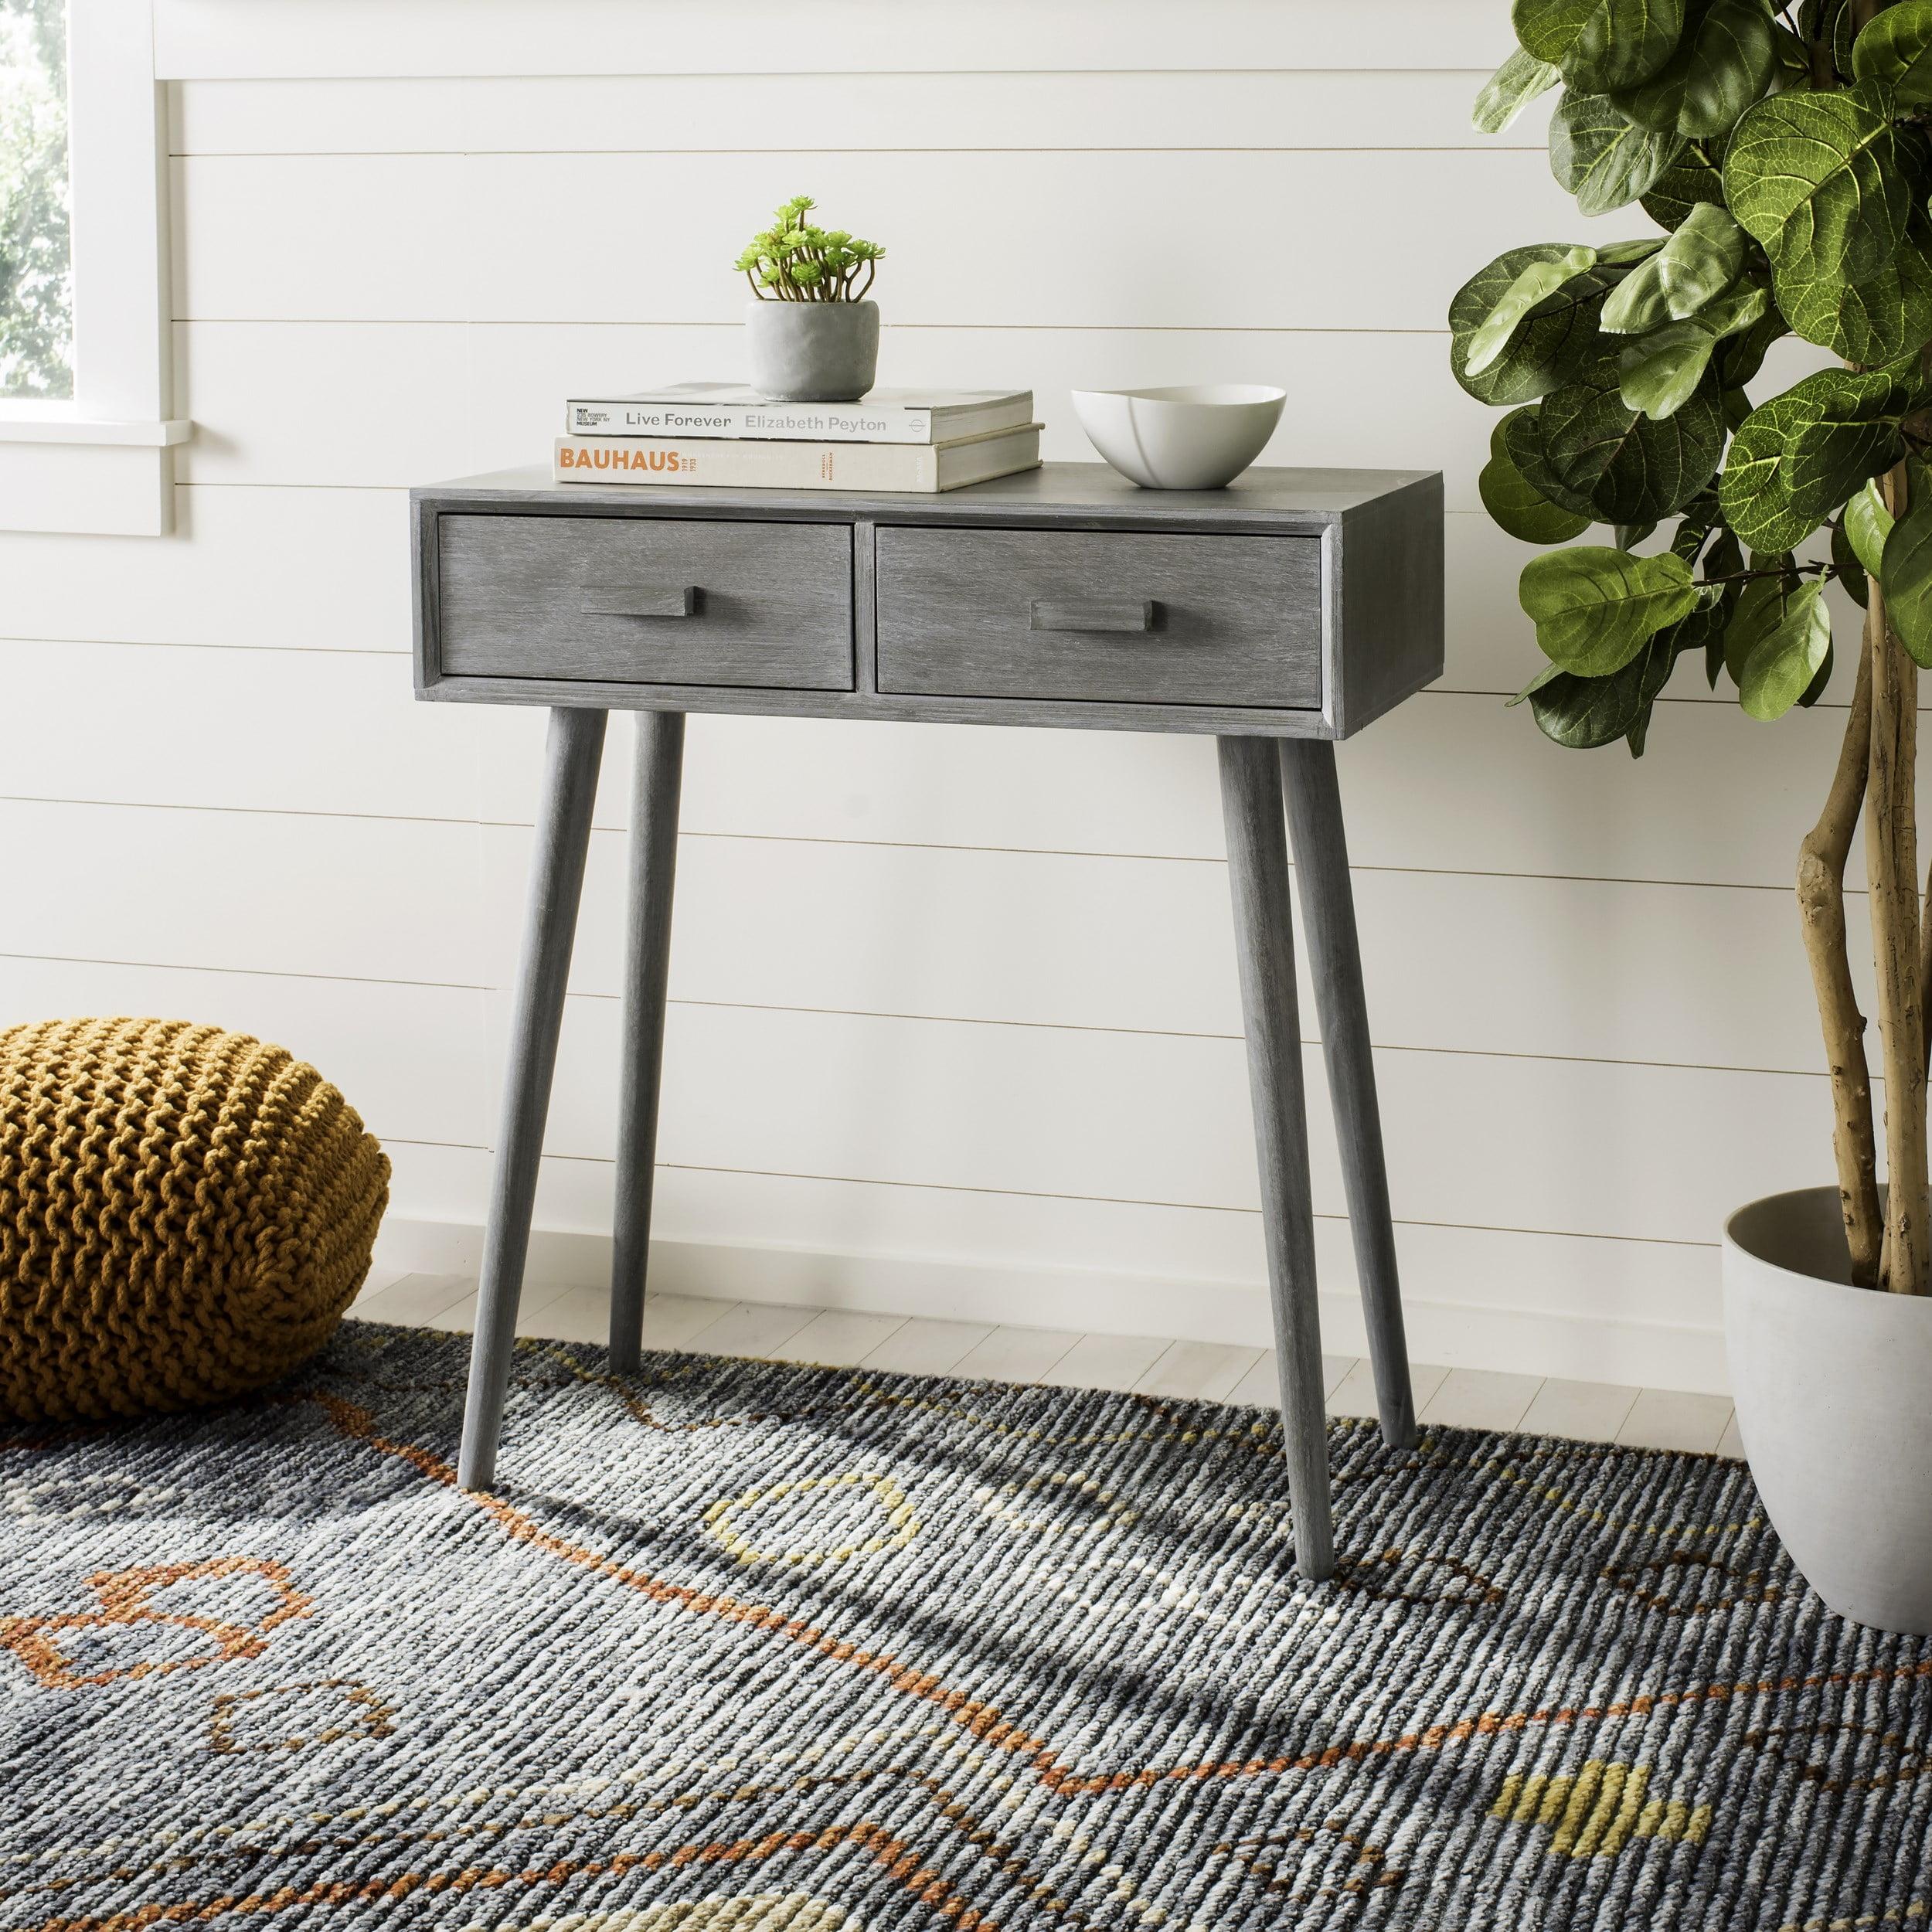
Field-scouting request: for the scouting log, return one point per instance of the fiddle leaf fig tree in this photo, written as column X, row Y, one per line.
column 1784, row 153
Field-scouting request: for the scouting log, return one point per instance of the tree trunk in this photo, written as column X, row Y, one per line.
column 1892, row 868
column 1821, row 899
column 1925, row 968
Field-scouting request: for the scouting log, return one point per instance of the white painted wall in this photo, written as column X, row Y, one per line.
column 954, row 1025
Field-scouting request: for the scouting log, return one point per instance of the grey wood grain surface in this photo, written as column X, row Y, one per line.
column 1239, row 619
column 1073, row 494
column 1076, row 714
column 758, row 604
column 574, row 750
column 1264, row 946
column 1380, row 542
column 1388, row 595
column 656, row 780
column 1334, row 959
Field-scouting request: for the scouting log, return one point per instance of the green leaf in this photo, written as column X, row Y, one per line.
column 1698, row 264
column 1515, row 503
column 1630, row 535
column 1897, row 48
column 1522, row 436
column 1740, row 356
column 1659, row 373
column 1867, row 524
column 1858, row 431
column 1739, row 311
column 1724, row 62
column 1794, row 60
column 1548, row 674
column 1850, row 572
column 1758, row 612
column 1534, row 283
column 1843, row 26
column 1693, row 532
column 1595, row 454
column 1600, row 43
column 1822, row 180
column 1798, row 458
column 1725, row 558
column 1557, row 338
column 1783, row 661
column 1586, row 713
column 1702, row 260
column 1593, row 607
column 1878, row 320
column 1511, row 88
column 1603, row 160
column 1815, row 689
column 1905, row 570
column 1688, row 182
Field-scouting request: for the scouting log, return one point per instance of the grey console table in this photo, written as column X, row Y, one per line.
column 1277, row 615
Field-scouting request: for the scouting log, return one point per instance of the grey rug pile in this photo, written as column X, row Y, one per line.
column 781, row 1649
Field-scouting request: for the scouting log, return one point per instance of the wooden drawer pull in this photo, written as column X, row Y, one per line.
column 1094, row 614
column 640, row 601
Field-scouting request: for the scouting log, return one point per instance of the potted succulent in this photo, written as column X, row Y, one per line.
column 813, row 337
column 1783, row 156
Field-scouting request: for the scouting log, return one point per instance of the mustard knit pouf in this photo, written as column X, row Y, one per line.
column 184, row 1213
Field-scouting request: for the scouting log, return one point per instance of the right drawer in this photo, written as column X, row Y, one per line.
column 1116, row 618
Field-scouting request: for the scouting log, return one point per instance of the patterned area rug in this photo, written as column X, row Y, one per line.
column 781, row 1649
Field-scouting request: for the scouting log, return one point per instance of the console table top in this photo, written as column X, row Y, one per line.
column 1076, row 494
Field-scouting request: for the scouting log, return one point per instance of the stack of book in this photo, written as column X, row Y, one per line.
column 727, row 435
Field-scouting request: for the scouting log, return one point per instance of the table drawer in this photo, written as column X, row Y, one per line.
column 646, row 600
column 1133, row 618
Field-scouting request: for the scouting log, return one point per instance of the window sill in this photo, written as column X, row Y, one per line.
column 61, row 472
column 57, row 422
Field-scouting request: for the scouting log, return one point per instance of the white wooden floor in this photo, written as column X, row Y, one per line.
column 1151, row 1364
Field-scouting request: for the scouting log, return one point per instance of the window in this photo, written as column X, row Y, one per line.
column 86, row 428
column 36, row 262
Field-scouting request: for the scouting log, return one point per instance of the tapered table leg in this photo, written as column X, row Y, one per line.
column 556, row 884
column 1334, row 954
column 1265, row 940
column 654, row 785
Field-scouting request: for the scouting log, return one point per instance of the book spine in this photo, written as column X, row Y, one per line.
column 778, row 422
column 699, row 463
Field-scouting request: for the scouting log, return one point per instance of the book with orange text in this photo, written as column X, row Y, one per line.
column 697, row 462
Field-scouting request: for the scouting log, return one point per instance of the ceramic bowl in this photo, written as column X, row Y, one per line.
column 1195, row 437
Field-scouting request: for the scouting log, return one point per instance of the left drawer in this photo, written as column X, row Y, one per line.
column 646, row 600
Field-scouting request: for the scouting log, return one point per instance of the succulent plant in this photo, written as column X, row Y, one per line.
column 793, row 261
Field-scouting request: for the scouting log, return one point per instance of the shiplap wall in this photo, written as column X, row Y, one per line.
column 955, row 1026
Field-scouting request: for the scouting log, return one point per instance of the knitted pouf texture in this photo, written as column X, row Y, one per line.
column 184, row 1213
column 753, row 1647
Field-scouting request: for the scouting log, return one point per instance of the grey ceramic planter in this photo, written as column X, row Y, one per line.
column 1831, row 1387
column 812, row 352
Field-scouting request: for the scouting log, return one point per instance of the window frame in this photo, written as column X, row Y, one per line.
column 103, row 462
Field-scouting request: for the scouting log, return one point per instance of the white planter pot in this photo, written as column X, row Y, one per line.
column 812, row 352
column 1833, row 1386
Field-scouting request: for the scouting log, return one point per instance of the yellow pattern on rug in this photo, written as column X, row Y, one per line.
column 1597, row 1810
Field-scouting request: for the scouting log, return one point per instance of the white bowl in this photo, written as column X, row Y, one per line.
column 1195, row 437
